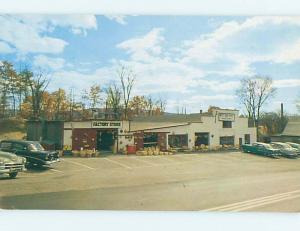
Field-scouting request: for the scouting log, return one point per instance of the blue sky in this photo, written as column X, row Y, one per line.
column 191, row 61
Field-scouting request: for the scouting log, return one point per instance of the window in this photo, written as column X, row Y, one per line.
column 35, row 147
column 227, row 124
column 247, row 138
column 150, row 139
column 18, row 146
column 178, row 141
column 6, row 145
column 227, row 140
column 201, row 138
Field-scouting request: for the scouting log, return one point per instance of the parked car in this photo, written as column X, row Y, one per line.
column 11, row 164
column 286, row 150
column 294, row 145
column 33, row 151
column 263, row 149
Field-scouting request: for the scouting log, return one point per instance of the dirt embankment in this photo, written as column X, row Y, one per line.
column 12, row 129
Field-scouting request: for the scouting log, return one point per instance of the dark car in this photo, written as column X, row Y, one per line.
column 11, row 164
column 263, row 149
column 33, row 151
column 286, row 150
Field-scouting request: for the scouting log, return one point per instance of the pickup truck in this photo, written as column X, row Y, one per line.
column 33, row 151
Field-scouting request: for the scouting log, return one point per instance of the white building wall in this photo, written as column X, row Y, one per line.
column 68, row 138
column 214, row 127
column 209, row 124
column 125, row 137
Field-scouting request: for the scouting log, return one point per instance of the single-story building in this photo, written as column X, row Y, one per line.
column 213, row 128
column 291, row 133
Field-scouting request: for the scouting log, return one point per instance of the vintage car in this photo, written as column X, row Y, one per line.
column 286, row 150
column 294, row 145
column 11, row 164
column 33, row 151
column 263, row 149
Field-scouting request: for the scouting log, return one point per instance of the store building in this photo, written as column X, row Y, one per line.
column 214, row 128
column 291, row 133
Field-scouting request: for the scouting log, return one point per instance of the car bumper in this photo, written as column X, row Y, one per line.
column 51, row 162
column 4, row 170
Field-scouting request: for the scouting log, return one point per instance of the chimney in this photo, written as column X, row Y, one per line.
column 281, row 111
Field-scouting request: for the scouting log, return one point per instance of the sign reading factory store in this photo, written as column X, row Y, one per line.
column 106, row 124
column 226, row 116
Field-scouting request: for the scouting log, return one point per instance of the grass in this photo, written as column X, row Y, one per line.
column 12, row 128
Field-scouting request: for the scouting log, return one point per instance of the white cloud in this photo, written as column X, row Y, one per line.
column 200, row 101
column 118, row 18
column 26, row 33
column 46, row 62
column 26, row 38
column 288, row 53
column 229, row 42
column 78, row 23
column 285, row 83
column 5, row 48
column 79, row 80
column 145, row 47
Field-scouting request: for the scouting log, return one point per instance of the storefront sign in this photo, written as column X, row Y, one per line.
column 106, row 124
column 226, row 116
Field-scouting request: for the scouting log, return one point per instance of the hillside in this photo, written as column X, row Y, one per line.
column 12, row 129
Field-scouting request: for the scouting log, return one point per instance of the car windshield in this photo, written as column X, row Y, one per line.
column 267, row 146
column 35, row 147
column 281, row 145
column 295, row 145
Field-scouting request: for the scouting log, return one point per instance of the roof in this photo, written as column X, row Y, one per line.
column 138, row 126
column 292, row 129
column 19, row 141
column 172, row 118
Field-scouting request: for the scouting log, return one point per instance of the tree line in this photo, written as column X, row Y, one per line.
column 254, row 93
column 25, row 94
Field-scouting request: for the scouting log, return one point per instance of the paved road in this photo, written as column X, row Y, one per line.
column 198, row 182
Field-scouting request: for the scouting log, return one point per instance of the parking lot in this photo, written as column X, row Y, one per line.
column 230, row 181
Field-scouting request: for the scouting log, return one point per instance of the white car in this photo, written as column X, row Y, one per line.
column 11, row 164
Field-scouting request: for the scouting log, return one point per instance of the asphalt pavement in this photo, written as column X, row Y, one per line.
column 214, row 182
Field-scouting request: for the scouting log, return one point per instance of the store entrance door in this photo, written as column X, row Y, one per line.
column 105, row 140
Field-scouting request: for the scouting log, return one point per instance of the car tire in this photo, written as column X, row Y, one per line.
column 13, row 175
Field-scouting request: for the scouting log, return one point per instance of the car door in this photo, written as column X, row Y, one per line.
column 260, row 149
column 19, row 149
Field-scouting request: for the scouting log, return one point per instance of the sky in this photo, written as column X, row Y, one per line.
column 191, row 61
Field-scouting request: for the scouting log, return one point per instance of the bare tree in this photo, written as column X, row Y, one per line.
column 113, row 100
column 298, row 103
column 94, row 95
column 161, row 104
column 127, row 78
column 71, row 99
column 150, row 103
column 22, row 86
column 38, row 84
column 253, row 93
column 7, row 86
column 60, row 102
